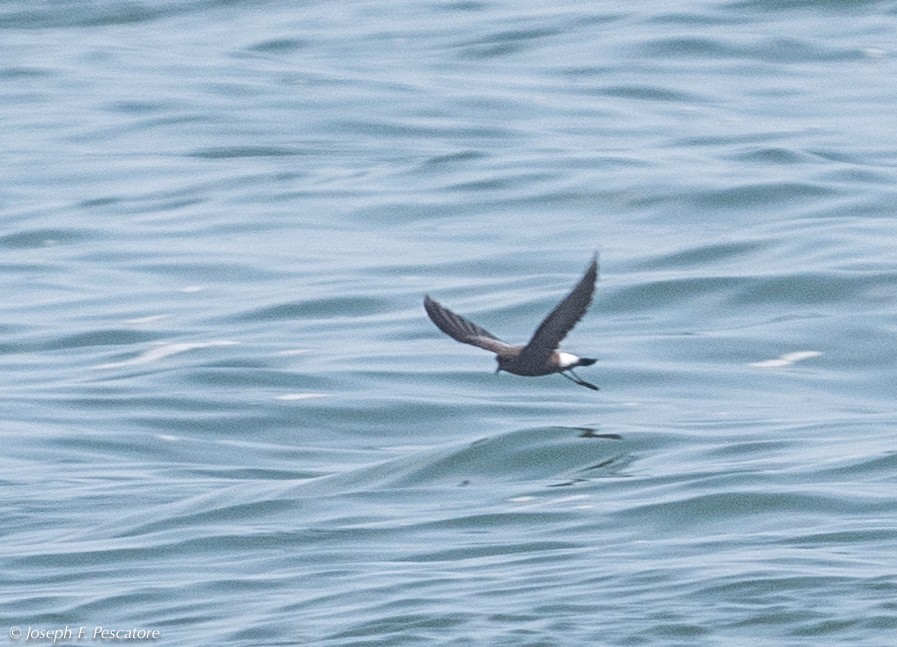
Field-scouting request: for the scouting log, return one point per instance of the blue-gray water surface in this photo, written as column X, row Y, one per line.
column 228, row 421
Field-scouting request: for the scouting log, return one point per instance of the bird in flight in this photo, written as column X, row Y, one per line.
column 540, row 356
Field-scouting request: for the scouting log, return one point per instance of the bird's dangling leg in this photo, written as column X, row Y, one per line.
column 573, row 377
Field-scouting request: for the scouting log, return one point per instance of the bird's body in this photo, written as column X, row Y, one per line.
column 540, row 356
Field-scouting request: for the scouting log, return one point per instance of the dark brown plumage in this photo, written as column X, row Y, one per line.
column 540, row 356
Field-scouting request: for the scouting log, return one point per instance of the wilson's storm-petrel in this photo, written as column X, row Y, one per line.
column 540, row 356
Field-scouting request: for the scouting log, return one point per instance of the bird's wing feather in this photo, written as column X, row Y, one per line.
column 561, row 320
column 461, row 329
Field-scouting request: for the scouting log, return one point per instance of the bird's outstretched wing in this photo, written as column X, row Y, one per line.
column 461, row 329
column 561, row 320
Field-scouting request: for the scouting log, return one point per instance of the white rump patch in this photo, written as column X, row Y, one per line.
column 567, row 359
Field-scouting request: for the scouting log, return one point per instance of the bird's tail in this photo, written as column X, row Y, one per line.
column 584, row 361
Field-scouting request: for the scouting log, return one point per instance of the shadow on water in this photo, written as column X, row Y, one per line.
column 538, row 454
column 488, row 471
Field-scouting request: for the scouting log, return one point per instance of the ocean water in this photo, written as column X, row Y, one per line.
column 228, row 421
